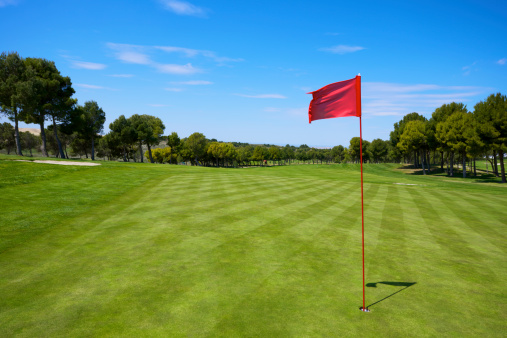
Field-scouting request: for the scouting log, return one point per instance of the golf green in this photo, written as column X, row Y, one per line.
column 158, row 250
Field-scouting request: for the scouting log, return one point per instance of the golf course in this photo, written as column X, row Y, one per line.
column 140, row 249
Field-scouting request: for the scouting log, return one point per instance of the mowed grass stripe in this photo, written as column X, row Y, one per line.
column 190, row 255
column 192, row 277
column 295, row 296
column 219, row 195
column 471, row 270
column 391, row 245
column 487, row 230
column 99, row 259
column 462, row 257
column 205, row 218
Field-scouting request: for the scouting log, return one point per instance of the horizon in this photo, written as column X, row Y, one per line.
column 239, row 72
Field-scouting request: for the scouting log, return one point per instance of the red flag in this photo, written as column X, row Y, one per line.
column 337, row 99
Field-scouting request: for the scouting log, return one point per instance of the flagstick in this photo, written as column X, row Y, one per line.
column 362, row 208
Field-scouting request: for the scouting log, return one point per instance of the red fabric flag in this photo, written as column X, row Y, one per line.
column 337, row 99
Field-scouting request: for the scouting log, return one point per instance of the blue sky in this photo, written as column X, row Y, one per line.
column 240, row 70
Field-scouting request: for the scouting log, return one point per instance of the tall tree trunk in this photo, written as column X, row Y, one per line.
column 442, row 161
column 16, row 135
column 93, row 148
column 447, row 164
column 43, row 137
column 502, row 168
column 62, row 155
column 124, row 154
column 429, row 161
column 495, row 164
column 141, row 150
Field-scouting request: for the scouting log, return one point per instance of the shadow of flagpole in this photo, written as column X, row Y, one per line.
column 405, row 284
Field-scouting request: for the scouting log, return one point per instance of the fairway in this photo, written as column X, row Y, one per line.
column 160, row 250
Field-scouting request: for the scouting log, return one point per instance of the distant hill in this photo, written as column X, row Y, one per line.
column 34, row 131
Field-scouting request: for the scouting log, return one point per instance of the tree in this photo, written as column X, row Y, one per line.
column 288, row 152
column 354, row 150
column 414, row 139
column 458, row 132
column 399, row 128
column 196, row 144
column 378, row 149
column 45, row 95
column 125, row 133
column 12, row 77
column 149, row 130
column 275, row 154
column 7, row 139
column 244, row 154
column 110, row 145
column 79, row 144
column 161, row 155
column 491, row 115
column 338, row 154
column 259, row 154
column 440, row 115
column 29, row 141
column 93, row 118
column 174, row 142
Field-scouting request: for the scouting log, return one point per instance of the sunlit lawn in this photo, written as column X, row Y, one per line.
column 158, row 250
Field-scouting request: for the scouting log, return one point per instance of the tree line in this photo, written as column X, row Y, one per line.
column 32, row 90
column 454, row 135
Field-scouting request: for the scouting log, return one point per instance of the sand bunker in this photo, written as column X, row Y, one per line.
column 63, row 162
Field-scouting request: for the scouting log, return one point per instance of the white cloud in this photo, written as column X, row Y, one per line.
column 88, row 65
column 121, row 75
column 342, row 49
column 141, row 55
column 183, row 8
column 263, row 96
column 381, row 99
column 134, row 57
column 177, row 69
column 89, row 86
column 4, row 3
column 130, row 53
column 173, row 89
column 502, row 61
column 188, row 52
column 194, row 83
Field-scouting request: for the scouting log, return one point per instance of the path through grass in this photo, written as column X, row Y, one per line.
column 126, row 249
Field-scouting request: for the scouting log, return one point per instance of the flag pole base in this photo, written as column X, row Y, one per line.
column 365, row 309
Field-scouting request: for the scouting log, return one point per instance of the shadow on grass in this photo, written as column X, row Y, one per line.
column 482, row 175
column 374, row 285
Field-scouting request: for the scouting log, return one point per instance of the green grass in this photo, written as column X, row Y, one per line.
column 157, row 250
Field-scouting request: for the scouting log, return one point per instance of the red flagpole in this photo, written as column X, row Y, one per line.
column 358, row 108
column 362, row 205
